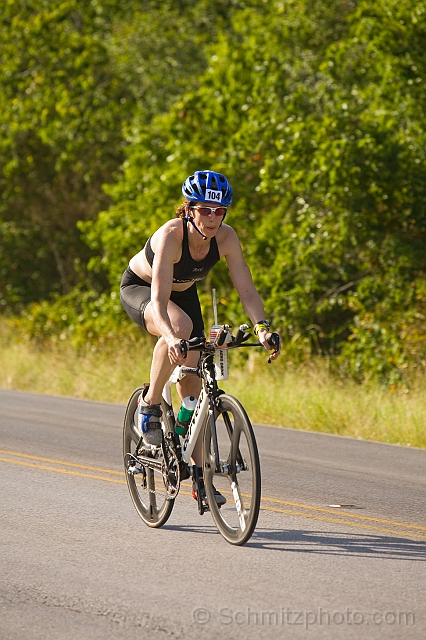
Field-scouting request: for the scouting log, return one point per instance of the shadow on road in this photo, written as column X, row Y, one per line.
column 325, row 543
column 205, row 530
column 350, row 544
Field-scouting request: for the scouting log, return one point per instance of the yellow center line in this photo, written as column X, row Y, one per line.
column 347, row 522
column 73, row 473
column 324, row 510
column 291, row 512
column 64, row 462
column 348, row 515
column 64, row 471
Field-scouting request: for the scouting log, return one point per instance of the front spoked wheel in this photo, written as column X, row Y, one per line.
column 150, row 489
column 231, row 466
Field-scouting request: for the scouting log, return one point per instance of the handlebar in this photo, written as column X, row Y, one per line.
column 200, row 343
column 193, row 344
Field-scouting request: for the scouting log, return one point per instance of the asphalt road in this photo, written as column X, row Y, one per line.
column 78, row 563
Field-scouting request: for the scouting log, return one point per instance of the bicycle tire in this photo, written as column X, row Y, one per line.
column 237, row 448
column 152, row 502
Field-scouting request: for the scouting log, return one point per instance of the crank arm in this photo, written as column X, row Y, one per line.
column 149, row 463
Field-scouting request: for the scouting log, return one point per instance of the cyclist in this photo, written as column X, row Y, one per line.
column 158, row 289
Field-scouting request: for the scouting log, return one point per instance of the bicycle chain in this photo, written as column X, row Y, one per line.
column 171, row 488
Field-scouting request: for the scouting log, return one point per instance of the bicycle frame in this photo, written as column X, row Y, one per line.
column 196, row 425
column 203, row 411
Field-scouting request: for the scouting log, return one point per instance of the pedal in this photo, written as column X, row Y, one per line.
column 199, row 491
column 133, row 470
column 204, row 503
column 185, row 473
column 148, row 450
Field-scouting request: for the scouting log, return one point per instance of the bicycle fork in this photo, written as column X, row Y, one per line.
column 197, row 472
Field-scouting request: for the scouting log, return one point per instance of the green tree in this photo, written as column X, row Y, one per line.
column 61, row 109
column 73, row 75
column 315, row 111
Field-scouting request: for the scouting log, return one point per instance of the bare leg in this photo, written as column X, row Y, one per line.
column 190, row 385
column 197, row 453
column 161, row 368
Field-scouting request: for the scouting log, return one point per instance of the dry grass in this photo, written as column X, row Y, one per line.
column 104, row 376
column 301, row 398
column 309, row 398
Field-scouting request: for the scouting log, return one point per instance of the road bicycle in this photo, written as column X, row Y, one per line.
column 229, row 451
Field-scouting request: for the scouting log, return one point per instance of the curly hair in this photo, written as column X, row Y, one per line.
column 180, row 211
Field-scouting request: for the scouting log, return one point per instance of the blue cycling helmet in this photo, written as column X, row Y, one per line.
column 208, row 186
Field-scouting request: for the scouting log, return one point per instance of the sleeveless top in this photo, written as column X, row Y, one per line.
column 188, row 269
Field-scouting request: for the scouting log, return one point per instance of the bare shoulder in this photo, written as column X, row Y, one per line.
column 168, row 236
column 173, row 227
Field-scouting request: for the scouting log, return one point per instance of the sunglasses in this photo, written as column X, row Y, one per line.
column 207, row 211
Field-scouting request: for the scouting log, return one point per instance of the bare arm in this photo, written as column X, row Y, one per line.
column 243, row 282
column 168, row 248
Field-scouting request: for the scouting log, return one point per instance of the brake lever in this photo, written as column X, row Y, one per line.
column 242, row 334
column 274, row 341
column 183, row 346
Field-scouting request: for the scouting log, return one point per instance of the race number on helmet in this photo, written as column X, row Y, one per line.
column 208, row 186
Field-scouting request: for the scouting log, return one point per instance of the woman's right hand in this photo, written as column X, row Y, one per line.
column 175, row 352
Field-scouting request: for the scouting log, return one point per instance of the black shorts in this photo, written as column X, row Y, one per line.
column 135, row 294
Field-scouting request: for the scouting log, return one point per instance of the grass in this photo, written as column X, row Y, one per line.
column 305, row 397
column 309, row 398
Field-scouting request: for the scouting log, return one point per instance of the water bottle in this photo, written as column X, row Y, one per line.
column 185, row 414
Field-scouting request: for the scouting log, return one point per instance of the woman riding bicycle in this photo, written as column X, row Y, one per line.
column 158, row 289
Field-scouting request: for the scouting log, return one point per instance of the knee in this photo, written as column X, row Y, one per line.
column 183, row 326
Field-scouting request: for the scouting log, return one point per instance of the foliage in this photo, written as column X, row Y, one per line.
column 72, row 75
column 315, row 112
column 60, row 101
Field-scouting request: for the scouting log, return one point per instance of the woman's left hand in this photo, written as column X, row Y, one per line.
column 264, row 337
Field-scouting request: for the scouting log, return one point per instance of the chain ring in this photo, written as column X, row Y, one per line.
column 172, row 488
